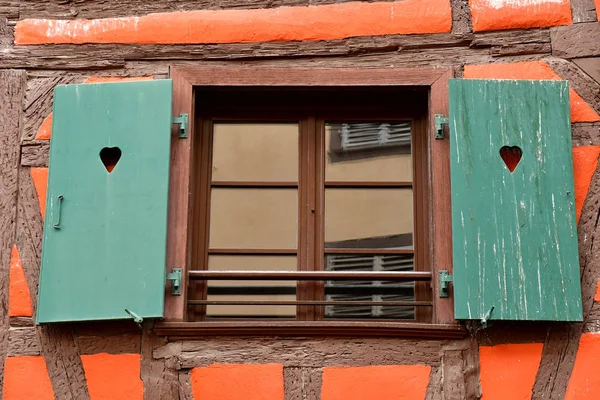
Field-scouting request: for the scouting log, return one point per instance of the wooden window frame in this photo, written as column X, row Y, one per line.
column 186, row 79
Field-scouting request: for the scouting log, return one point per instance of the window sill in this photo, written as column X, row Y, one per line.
column 310, row 328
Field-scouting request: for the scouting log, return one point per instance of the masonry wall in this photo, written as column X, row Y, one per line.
column 45, row 43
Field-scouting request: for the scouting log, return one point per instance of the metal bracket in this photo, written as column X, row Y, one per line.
column 440, row 121
column 445, row 279
column 486, row 317
column 136, row 318
column 182, row 121
column 175, row 278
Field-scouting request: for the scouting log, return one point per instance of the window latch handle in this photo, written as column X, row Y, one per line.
column 59, row 206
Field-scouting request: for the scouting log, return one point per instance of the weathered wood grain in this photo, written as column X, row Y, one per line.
column 583, row 84
column 23, row 342
column 453, row 375
column 111, row 344
column 6, row 33
column 19, row 322
column 63, row 362
column 10, row 9
column 461, row 16
column 425, row 49
column 578, row 40
column 589, row 65
column 517, row 42
column 12, row 91
column 161, row 381
column 35, row 155
column 303, row 352
column 586, row 134
column 185, row 386
column 302, row 383
column 583, row 11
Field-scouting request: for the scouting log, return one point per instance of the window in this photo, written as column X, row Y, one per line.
column 381, row 116
column 277, row 195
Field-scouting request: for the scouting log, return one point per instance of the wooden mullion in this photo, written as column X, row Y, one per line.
column 251, row 252
column 367, row 184
column 368, row 251
column 254, row 184
column 303, row 200
column 319, row 233
column 207, row 139
column 422, row 262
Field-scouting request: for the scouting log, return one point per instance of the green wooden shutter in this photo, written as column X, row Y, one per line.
column 105, row 232
column 514, row 233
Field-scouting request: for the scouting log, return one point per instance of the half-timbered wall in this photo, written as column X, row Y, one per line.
column 45, row 43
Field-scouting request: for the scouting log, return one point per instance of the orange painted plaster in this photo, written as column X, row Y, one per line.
column 390, row 382
column 533, row 70
column 334, row 21
column 585, row 380
column 597, row 294
column 235, row 381
column 585, row 162
column 19, row 298
column 492, row 15
column 113, row 376
column 40, row 181
column 27, row 378
column 45, row 130
column 508, row 370
column 597, row 2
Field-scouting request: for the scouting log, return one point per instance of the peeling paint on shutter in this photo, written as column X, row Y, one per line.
column 515, row 253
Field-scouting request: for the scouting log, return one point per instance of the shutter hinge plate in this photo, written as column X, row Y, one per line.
column 182, row 121
column 175, row 278
column 445, row 279
column 440, row 121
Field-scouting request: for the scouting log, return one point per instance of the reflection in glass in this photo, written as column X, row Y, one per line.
column 379, row 152
column 368, row 218
column 370, row 291
column 251, row 290
column 253, row 218
column 255, row 152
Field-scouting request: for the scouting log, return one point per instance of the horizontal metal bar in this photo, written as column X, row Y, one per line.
column 308, row 303
column 310, row 275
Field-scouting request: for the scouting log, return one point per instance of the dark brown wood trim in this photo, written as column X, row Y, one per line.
column 309, row 77
column 259, row 252
column 310, row 303
column 367, row 251
column 253, row 184
column 372, row 184
column 179, row 205
column 441, row 218
column 177, row 330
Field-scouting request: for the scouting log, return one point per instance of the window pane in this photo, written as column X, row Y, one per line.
column 253, row 218
column 379, row 152
column 370, row 291
column 251, row 290
column 368, row 218
column 255, row 152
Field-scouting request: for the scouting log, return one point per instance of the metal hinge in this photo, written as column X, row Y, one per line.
column 175, row 278
column 445, row 279
column 440, row 121
column 182, row 121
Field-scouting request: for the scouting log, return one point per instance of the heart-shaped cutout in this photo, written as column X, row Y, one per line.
column 110, row 156
column 511, row 155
